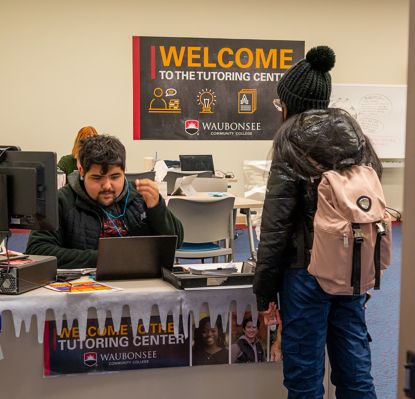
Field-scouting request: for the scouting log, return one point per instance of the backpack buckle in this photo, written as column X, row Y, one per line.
column 358, row 235
column 380, row 227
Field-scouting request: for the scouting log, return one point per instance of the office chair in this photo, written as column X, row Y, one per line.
column 171, row 177
column 206, row 225
column 141, row 175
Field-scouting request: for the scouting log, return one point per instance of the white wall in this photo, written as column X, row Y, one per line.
column 66, row 64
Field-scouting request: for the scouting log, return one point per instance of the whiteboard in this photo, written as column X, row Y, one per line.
column 380, row 111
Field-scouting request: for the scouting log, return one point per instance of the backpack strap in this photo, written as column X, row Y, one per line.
column 381, row 231
column 357, row 251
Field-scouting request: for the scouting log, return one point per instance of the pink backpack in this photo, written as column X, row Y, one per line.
column 352, row 232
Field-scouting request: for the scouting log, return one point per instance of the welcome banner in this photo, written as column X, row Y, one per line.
column 208, row 89
column 111, row 349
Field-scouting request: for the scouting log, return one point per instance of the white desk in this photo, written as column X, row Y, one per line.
column 21, row 368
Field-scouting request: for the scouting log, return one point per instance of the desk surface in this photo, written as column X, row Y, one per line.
column 240, row 202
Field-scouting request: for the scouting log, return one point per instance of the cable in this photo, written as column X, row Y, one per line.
column 397, row 215
column 111, row 217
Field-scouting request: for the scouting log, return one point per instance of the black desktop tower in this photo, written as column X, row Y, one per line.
column 17, row 278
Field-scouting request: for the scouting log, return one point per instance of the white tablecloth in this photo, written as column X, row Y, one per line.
column 139, row 296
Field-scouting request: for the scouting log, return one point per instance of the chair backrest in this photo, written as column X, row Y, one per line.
column 171, row 177
column 204, row 221
column 206, row 184
column 141, row 175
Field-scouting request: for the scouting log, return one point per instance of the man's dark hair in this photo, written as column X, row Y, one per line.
column 102, row 150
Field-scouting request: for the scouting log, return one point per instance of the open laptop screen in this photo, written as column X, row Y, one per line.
column 141, row 257
column 196, row 163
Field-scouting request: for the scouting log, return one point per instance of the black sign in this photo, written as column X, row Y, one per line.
column 110, row 350
column 208, row 89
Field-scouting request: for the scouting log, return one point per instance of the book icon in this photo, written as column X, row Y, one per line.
column 247, row 99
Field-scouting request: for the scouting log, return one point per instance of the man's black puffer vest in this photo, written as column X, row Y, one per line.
column 83, row 221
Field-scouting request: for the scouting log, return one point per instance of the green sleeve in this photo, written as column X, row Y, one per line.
column 50, row 243
column 67, row 164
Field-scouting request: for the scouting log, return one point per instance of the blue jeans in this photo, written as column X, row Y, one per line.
column 311, row 319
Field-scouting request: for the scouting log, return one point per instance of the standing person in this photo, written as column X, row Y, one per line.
column 69, row 163
column 248, row 348
column 209, row 343
column 311, row 140
column 99, row 202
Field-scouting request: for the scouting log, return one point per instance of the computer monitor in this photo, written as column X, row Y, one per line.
column 196, row 163
column 28, row 190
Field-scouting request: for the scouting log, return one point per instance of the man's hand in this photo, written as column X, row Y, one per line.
column 149, row 190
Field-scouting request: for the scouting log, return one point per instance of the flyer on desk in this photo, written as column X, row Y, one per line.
column 80, row 286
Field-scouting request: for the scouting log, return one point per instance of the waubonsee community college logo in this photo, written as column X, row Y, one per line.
column 191, row 126
column 90, row 359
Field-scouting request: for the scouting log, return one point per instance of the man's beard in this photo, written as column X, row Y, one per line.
column 102, row 193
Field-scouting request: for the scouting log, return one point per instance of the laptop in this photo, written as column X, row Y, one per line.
column 140, row 175
column 138, row 257
column 196, row 163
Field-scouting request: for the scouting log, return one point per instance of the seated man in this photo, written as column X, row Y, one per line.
column 99, row 202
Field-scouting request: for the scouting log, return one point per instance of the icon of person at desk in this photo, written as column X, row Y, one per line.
column 158, row 105
column 209, row 345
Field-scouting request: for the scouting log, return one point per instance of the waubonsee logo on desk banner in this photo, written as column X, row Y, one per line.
column 208, row 89
column 111, row 350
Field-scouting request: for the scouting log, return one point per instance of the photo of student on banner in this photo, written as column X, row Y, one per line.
column 249, row 341
column 210, row 343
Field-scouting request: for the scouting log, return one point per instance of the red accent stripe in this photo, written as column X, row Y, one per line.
column 20, row 231
column 136, row 89
column 46, row 350
column 153, row 62
column 54, row 339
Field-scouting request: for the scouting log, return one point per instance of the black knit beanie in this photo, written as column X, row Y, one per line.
column 307, row 84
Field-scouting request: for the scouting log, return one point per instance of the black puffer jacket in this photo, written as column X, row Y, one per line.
column 81, row 225
column 306, row 145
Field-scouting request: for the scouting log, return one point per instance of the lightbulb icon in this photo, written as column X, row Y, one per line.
column 206, row 98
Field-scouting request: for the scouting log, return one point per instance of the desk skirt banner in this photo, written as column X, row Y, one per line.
column 231, row 342
column 109, row 350
column 208, row 89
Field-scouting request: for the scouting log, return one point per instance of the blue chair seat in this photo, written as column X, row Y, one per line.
column 203, row 246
